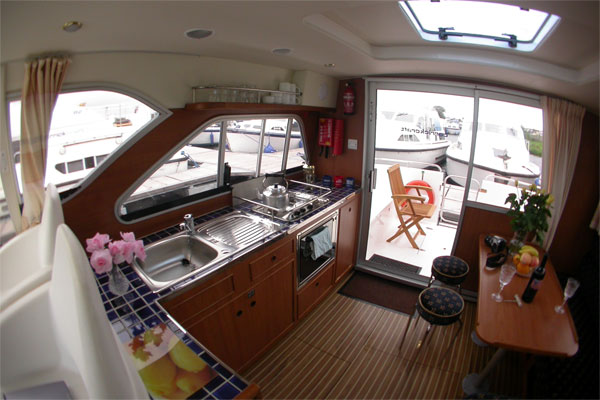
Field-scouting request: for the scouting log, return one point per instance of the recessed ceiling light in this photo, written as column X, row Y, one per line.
column 72, row 26
column 281, row 51
column 329, row 65
column 198, row 33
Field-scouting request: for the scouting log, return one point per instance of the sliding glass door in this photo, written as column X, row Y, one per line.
column 452, row 144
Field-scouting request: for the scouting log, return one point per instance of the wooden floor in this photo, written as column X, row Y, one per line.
column 348, row 348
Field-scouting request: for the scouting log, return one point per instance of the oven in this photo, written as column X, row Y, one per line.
column 316, row 247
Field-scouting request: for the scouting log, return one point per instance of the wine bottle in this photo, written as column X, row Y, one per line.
column 535, row 282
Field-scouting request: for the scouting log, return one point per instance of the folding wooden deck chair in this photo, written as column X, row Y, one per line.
column 410, row 208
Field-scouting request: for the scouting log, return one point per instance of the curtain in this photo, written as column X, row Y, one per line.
column 43, row 80
column 562, row 135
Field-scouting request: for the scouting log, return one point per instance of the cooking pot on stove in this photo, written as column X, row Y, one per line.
column 276, row 195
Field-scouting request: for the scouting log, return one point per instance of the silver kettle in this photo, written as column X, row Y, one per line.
column 276, row 195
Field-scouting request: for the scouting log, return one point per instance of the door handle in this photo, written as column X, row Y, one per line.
column 373, row 179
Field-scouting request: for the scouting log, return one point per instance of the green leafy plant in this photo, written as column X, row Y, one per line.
column 529, row 212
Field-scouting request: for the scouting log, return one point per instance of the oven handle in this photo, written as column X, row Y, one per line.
column 302, row 236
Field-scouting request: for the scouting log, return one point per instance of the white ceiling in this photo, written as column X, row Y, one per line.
column 362, row 38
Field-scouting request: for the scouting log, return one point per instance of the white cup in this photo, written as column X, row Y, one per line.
column 284, row 86
column 268, row 99
column 278, row 98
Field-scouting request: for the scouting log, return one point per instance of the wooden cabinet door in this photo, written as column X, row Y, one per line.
column 224, row 333
column 347, row 236
column 239, row 331
column 270, row 308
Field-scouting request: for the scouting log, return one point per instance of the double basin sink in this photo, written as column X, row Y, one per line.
column 176, row 258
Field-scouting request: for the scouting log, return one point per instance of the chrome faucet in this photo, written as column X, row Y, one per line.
column 188, row 224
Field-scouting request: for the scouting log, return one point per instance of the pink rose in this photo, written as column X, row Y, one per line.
column 128, row 236
column 138, row 249
column 121, row 251
column 101, row 261
column 97, row 242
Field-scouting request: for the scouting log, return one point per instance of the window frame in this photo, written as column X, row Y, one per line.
column 159, row 209
column 511, row 41
column 11, row 191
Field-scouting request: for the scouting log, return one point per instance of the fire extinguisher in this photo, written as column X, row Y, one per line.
column 338, row 137
column 349, row 100
column 325, row 134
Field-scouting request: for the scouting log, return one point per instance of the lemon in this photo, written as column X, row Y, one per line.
column 185, row 358
column 159, row 377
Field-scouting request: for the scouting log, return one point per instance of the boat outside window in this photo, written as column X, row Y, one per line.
column 197, row 169
column 85, row 124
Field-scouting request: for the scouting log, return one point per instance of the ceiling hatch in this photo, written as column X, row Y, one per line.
column 481, row 23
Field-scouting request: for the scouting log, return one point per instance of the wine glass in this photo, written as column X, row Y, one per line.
column 572, row 285
column 506, row 274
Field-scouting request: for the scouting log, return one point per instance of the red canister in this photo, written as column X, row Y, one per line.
column 338, row 181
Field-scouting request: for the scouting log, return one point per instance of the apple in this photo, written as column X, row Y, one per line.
column 535, row 261
column 526, row 258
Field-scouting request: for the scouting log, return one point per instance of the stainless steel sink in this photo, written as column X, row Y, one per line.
column 176, row 258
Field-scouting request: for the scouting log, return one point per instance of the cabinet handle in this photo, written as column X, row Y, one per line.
column 273, row 258
column 316, row 284
column 239, row 313
column 350, row 209
column 253, row 303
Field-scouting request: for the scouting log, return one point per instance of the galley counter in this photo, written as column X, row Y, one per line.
column 215, row 310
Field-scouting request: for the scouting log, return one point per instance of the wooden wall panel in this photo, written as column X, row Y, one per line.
column 350, row 162
column 92, row 209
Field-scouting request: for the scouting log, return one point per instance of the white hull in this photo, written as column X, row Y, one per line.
column 430, row 153
column 206, row 139
column 458, row 166
column 245, row 142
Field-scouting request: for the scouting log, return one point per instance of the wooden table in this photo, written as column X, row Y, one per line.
column 534, row 328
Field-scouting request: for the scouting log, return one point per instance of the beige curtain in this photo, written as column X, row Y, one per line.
column 43, row 80
column 562, row 135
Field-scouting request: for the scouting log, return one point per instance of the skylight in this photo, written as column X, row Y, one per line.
column 474, row 22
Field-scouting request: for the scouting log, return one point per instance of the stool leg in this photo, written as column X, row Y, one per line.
column 431, row 279
column 460, row 325
column 407, row 327
column 422, row 342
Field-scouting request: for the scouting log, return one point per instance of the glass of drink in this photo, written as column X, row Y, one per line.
column 506, row 274
column 572, row 285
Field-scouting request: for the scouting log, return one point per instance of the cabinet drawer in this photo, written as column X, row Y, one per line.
column 315, row 289
column 203, row 298
column 272, row 257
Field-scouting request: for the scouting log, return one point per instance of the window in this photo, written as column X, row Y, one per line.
column 86, row 127
column 483, row 23
column 196, row 170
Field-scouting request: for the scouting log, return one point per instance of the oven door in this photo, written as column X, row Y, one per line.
column 316, row 248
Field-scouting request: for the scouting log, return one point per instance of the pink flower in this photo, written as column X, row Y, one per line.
column 101, row 261
column 121, row 251
column 128, row 236
column 138, row 249
column 97, row 242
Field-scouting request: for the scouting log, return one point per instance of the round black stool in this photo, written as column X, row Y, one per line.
column 437, row 306
column 450, row 270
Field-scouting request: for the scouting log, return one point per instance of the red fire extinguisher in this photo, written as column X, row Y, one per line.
column 325, row 135
column 348, row 100
column 338, row 137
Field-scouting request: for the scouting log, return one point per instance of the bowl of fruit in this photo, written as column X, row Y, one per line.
column 526, row 260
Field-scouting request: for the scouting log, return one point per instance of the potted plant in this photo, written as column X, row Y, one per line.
column 529, row 214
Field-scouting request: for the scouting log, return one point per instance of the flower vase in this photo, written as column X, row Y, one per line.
column 117, row 281
column 517, row 241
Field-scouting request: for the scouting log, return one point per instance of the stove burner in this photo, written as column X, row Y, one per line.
column 300, row 204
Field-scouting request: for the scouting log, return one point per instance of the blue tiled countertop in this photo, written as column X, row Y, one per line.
column 138, row 309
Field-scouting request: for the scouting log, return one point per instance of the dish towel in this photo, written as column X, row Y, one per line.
column 321, row 243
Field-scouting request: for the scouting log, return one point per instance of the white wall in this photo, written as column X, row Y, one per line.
column 168, row 78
